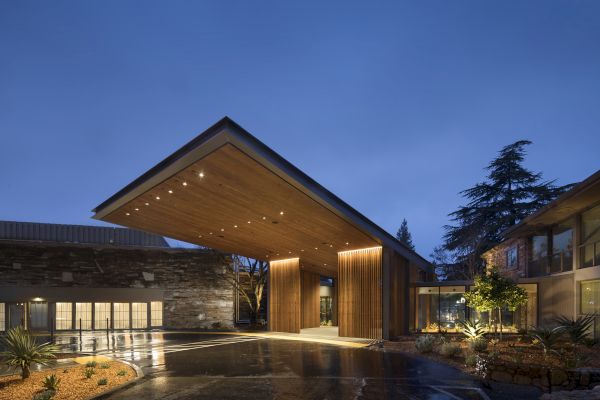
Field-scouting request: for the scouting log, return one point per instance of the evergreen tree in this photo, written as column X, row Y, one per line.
column 510, row 193
column 404, row 236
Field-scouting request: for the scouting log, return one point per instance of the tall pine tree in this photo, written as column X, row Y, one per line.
column 404, row 236
column 510, row 193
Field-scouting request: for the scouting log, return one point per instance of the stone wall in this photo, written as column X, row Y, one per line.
column 543, row 377
column 194, row 294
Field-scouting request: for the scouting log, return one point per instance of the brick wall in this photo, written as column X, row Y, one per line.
column 497, row 257
column 194, row 294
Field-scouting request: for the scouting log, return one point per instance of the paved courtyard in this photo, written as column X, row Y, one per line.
column 225, row 366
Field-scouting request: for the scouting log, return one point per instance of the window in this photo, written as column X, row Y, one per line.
column 590, row 238
column 102, row 315
column 590, row 302
column 156, row 313
column 121, row 315
column 83, row 316
column 512, row 258
column 538, row 262
column 139, row 315
column 64, row 316
column 439, row 308
column 562, row 248
column 2, row 317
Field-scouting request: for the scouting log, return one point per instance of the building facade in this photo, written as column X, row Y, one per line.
column 64, row 277
column 553, row 254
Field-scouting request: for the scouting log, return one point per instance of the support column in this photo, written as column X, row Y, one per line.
column 284, row 295
column 360, row 294
column 311, row 298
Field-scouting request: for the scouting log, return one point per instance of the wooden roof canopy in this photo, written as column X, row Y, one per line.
column 228, row 191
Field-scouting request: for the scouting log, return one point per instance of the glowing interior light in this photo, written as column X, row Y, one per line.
column 201, row 174
column 184, row 183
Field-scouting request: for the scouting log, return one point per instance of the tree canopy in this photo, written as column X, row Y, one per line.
column 509, row 193
column 404, row 236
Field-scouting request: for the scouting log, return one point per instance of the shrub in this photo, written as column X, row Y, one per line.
column 89, row 372
column 479, row 345
column 102, row 382
column 45, row 395
column 472, row 330
column 51, row 382
column 424, row 344
column 22, row 350
column 121, row 372
column 91, row 364
column 105, row 365
column 577, row 330
column 449, row 349
column 546, row 338
column 471, row 359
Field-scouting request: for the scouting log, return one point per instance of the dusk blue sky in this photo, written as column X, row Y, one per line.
column 395, row 107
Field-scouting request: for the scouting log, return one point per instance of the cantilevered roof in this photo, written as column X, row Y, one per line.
column 228, row 191
column 582, row 196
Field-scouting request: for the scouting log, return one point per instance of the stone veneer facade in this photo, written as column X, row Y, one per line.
column 188, row 280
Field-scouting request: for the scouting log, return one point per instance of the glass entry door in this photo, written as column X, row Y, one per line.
column 38, row 315
column 326, row 311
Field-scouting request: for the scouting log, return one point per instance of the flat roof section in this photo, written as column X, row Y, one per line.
column 227, row 190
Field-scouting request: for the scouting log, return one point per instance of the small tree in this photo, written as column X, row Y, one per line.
column 252, row 288
column 493, row 292
column 404, row 236
column 21, row 350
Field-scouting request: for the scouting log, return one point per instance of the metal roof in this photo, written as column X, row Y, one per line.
column 81, row 234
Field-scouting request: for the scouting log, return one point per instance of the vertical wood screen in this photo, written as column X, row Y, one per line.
column 284, row 295
column 360, row 293
column 311, row 299
column 399, row 292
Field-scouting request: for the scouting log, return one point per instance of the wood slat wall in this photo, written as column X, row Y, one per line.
column 399, row 291
column 311, row 298
column 284, row 296
column 360, row 293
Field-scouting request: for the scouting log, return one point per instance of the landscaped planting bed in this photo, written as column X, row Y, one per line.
column 74, row 385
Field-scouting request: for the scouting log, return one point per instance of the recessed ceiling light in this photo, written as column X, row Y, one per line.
column 157, row 198
column 184, row 183
column 264, row 218
column 136, row 209
column 347, row 243
column 222, row 229
column 235, row 226
column 330, row 245
column 302, row 250
column 210, row 233
column 146, row 204
column 249, row 222
column 289, row 252
column 199, row 236
column 201, row 174
column 316, row 248
column 280, row 212
column 170, row 192
column 127, row 214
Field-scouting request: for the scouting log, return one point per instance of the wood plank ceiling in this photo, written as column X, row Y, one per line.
column 230, row 202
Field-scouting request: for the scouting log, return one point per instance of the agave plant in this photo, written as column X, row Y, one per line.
column 472, row 330
column 576, row 329
column 22, row 350
column 546, row 338
column 51, row 382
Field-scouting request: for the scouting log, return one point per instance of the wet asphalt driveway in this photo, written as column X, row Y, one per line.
column 215, row 366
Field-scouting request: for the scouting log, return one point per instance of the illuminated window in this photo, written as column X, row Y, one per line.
column 156, row 313
column 121, row 315
column 139, row 315
column 64, row 316
column 83, row 316
column 102, row 315
column 2, row 317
